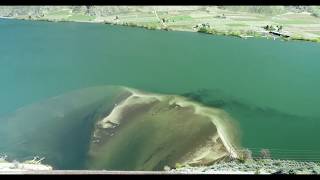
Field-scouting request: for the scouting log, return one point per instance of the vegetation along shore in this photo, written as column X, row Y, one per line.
column 284, row 22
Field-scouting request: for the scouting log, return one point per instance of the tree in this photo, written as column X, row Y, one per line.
column 245, row 155
column 271, row 27
column 3, row 157
column 265, row 154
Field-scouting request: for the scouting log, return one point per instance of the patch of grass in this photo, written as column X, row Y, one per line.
column 151, row 27
column 81, row 17
column 146, row 26
column 265, row 10
column 236, row 24
column 178, row 165
column 296, row 21
column 316, row 32
column 179, row 18
column 234, row 33
column 207, row 30
column 231, row 33
column 59, row 13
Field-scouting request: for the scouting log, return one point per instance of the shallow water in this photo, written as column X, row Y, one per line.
column 270, row 87
column 58, row 129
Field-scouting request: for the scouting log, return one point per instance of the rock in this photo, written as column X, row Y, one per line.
column 266, row 166
column 257, row 171
column 166, row 168
column 316, row 170
column 279, row 172
column 291, row 171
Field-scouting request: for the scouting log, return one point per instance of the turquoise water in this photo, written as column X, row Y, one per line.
column 58, row 128
column 270, row 87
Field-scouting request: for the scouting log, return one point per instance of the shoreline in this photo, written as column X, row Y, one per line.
column 256, row 34
column 23, row 167
column 217, row 117
column 106, row 172
column 257, row 166
column 254, row 166
column 213, row 114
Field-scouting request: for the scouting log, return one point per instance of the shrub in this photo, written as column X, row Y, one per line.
column 3, row 159
column 151, row 27
column 166, row 28
column 204, row 30
column 178, row 165
column 166, row 168
column 245, row 155
column 265, row 154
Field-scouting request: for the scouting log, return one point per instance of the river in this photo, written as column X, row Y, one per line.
column 270, row 87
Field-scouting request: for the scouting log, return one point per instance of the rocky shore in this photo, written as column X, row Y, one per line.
column 257, row 166
column 7, row 167
column 260, row 166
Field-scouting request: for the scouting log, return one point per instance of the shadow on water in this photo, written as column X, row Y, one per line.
column 264, row 127
column 61, row 130
column 58, row 129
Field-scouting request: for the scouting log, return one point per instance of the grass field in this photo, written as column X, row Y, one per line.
column 80, row 17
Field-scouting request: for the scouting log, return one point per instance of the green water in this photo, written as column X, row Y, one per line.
column 58, row 129
column 270, row 87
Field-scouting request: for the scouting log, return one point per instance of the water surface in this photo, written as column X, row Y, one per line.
column 270, row 87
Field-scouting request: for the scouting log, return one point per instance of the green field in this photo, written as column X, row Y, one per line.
column 80, row 17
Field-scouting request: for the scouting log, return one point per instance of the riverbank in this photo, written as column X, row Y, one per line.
column 7, row 167
column 300, row 25
column 262, row 166
column 211, row 31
